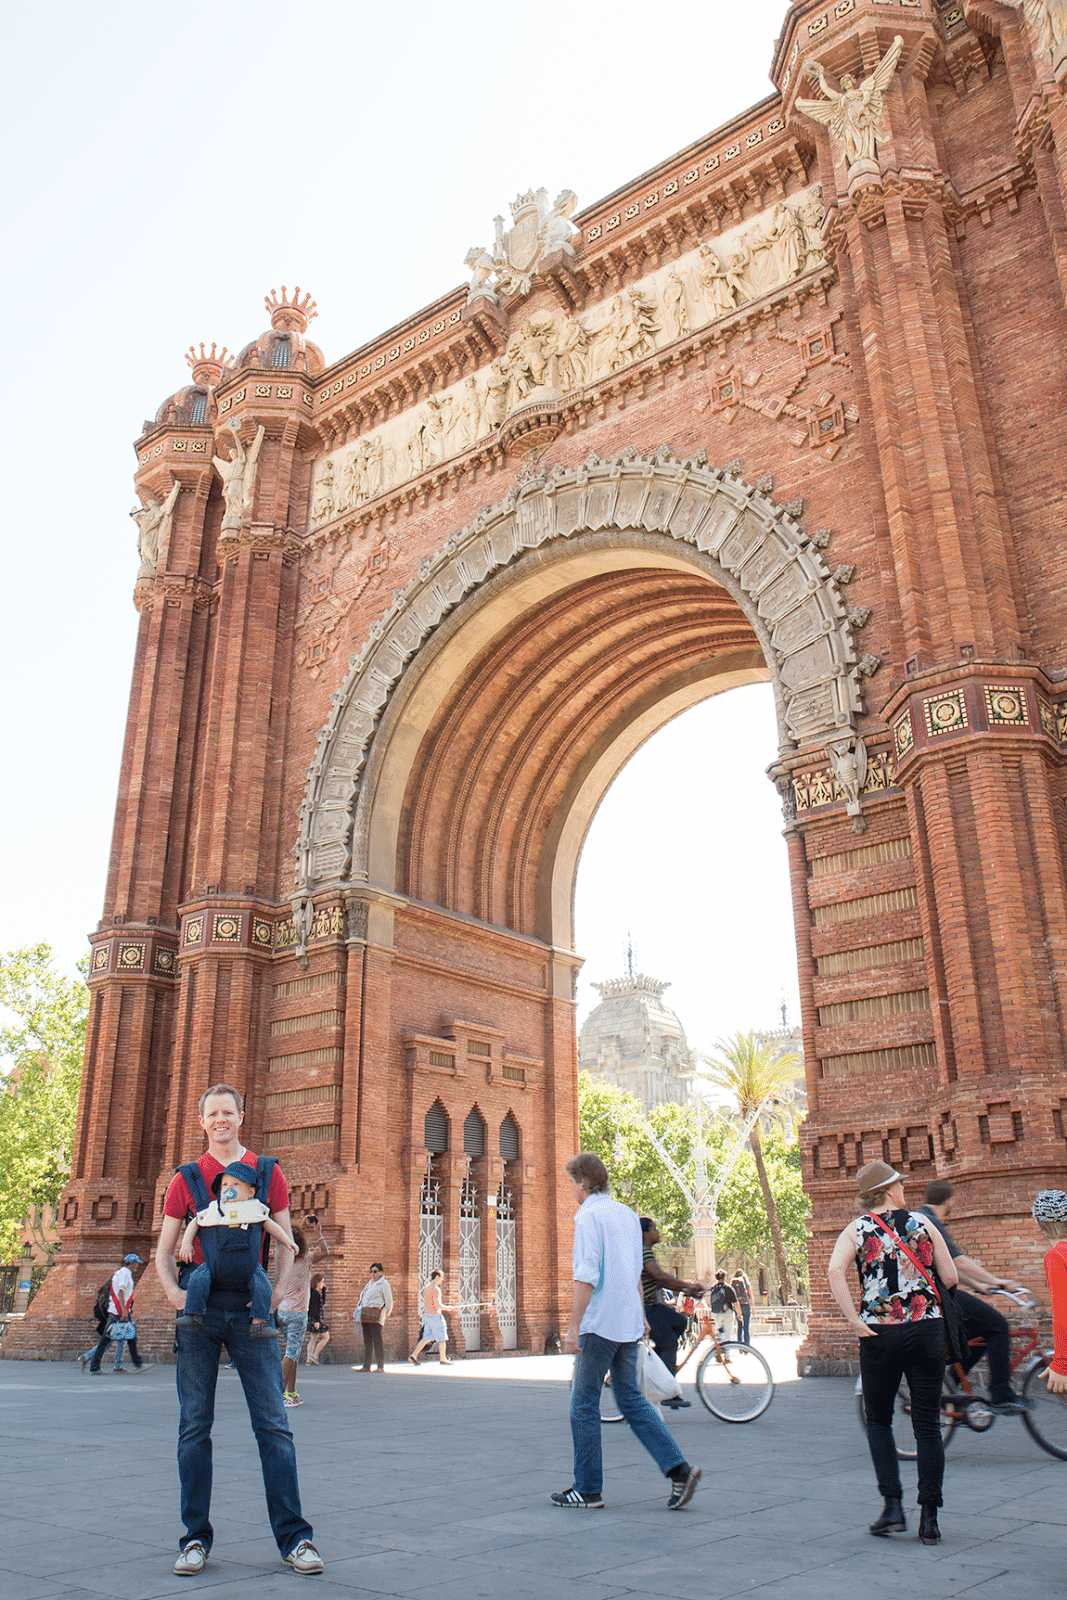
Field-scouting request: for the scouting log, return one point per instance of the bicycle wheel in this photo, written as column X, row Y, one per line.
column 1047, row 1421
column 903, row 1436
column 736, row 1385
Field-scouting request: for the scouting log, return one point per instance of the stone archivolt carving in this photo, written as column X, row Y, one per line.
column 853, row 112
column 761, row 556
column 552, row 354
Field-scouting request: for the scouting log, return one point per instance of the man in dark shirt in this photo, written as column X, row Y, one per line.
column 666, row 1324
column 979, row 1319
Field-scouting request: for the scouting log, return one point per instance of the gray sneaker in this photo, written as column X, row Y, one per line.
column 142, row 1366
column 305, row 1558
column 83, row 1361
column 191, row 1560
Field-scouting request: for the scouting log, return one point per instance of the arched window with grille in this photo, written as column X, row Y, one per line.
column 474, row 1134
column 435, row 1129
column 199, row 411
column 509, row 1139
column 280, row 353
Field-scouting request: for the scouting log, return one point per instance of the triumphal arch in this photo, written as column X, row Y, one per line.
column 787, row 408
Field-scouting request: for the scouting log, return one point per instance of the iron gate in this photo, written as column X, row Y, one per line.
column 506, row 1298
column 470, row 1266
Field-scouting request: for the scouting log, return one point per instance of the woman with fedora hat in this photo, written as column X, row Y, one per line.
column 901, row 1332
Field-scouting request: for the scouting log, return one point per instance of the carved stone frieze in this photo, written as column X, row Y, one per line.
column 550, row 355
column 760, row 553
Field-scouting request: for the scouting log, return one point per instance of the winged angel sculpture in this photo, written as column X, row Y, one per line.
column 1048, row 18
column 853, row 112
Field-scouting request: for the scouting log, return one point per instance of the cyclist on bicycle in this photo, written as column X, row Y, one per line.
column 980, row 1320
column 666, row 1325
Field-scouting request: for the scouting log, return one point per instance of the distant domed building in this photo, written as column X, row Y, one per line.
column 635, row 1041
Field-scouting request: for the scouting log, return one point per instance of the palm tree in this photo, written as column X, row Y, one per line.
column 761, row 1081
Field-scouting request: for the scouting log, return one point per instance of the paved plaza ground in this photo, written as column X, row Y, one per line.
column 435, row 1484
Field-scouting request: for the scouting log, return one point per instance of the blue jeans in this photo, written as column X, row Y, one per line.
column 96, row 1354
column 595, row 1358
column 197, row 1286
column 260, row 1370
column 744, row 1317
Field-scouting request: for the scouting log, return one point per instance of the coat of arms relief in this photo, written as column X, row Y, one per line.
column 537, row 231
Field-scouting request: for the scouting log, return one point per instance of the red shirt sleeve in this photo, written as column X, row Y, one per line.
column 178, row 1199
column 1056, row 1273
column 278, row 1193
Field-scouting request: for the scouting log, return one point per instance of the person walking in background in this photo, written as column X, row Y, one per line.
column 434, row 1326
column 743, row 1308
column 665, row 1323
column 606, row 1324
column 374, row 1305
column 902, row 1334
column 318, row 1327
column 117, row 1319
column 1050, row 1214
column 722, row 1301
column 982, row 1321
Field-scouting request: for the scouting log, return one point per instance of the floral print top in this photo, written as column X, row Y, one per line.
column 892, row 1289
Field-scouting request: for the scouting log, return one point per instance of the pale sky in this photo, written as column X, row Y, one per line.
column 167, row 166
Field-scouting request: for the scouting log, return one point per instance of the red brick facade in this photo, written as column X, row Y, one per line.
column 364, row 746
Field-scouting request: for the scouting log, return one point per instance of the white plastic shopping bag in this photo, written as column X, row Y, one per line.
column 653, row 1379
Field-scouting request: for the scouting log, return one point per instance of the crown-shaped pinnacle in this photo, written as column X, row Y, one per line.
column 290, row 314
column 208, row 366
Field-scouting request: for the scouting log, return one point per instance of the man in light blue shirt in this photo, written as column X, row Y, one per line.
column 607, row 1323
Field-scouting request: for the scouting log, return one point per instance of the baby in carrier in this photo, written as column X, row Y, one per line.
column 233, row 1224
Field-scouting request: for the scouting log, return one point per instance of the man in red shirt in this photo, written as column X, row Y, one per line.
column 226, row 1321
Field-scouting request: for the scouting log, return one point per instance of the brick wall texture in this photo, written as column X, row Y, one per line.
column 402, row 1024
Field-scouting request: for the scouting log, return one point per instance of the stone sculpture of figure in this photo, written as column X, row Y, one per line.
column 436, row 427
column 1048, row 18
column 557, row 230
column 788, row 244
column 573, row 351
column 719, row 294
column 153, row 521
column 849, row 761
column 239, row 476
column 496, row 404
column 417, row 445
column 633, row 327
column 853, row 112
column 528, row 358
column 811, row 216
column 482, row 268
column 373, row 464
column 469, row 418
column 737, row 264
column 322, row 505
column 674, row 307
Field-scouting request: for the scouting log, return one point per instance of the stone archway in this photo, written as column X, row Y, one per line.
column 651, row 510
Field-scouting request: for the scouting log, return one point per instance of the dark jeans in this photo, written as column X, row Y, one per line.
column 916, row 1351
column 667, row 1327
column 260, row 1369
column 373, row 1354
column 98, row 1353
column 596, row 1356
column 981, row 1321
column 744, row 1317
column 197, row 1285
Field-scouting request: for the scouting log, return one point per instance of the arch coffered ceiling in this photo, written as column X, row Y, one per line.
column 650, row 510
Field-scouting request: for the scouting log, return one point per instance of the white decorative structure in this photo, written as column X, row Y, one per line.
column 153, row 528
column 636, row 1042
column 239, row 475
column 854, row 111
column 537, row 231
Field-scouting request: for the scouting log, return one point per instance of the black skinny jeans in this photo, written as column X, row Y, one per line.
column 372, row 1345
column 667, row 1327
column 916, row 1351
column 982, row 1321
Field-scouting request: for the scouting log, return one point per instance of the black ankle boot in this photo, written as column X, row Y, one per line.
column 929, row 1532
column 892, row 1519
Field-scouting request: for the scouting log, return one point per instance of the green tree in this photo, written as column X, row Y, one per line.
column 610, row 1123
column 44, row 1046
column 755, row 1073
column 743, row 1224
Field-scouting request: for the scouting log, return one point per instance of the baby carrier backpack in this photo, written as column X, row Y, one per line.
column 231, row 1254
